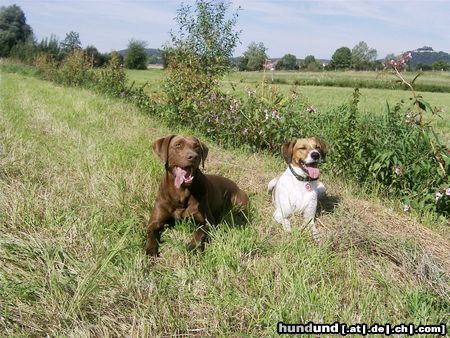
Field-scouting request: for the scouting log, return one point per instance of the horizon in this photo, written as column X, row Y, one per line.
column 388, row 26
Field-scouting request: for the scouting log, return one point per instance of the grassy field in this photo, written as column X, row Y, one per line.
column 77, row 183
column 372, row 100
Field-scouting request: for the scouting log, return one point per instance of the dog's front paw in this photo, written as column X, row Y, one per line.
column 287, row 228
column 195, row 244
column 316, row 235
column 152, row 251
column 151, row 247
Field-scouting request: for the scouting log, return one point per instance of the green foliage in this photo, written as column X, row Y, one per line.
column 341, row 59
column 13, row 29
column 441, row 65
column 136, row 56
column 199, row 54
column 47, row 66
column 112, row 78
column 287, row 62
column 363, row 57
column 311, row 64
column 426, row 57
column 76, row 69
column 98, row 59
column 254, row 57
column 49, row 46
column 23, row 51
column 70, row 43
column 207, row 33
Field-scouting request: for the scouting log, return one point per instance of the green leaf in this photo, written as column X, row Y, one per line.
column 415, row 78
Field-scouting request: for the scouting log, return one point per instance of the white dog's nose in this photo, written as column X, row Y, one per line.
column 315, row 155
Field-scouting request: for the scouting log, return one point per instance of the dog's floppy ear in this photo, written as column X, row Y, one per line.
column 286, row 151
column 204, row 152
column 161, row 147
column 323, row 145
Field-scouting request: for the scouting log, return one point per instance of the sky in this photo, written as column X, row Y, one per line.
column 285, row 26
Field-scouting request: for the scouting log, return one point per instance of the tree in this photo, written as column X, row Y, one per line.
column 50, row 46
column 254, row 57
column 389, row 57
column 440, row 65
column 136, row 56
column 13, row 29
column 287, row 62
column 199, row 54
column 98, row 59
column 205, row 36
column 422, row 67
column 363, row 56
column 341, row 59
column 70, row 43
column 311, row 64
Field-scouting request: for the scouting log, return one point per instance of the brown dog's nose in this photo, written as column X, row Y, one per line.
column 192, row 156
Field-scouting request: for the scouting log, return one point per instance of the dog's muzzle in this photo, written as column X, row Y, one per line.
column 315, row 155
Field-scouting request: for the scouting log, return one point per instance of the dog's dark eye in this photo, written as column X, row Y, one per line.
column 317, row 147
column 302, row 148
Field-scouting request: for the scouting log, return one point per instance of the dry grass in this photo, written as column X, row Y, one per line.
column 77, row 181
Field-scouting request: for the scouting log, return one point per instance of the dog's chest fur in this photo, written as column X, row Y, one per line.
column 299, row 193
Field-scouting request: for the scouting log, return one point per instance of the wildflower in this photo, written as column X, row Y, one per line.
column 406, row 208
column 245, row 131
column 122, row 94
column 447, row 191
column 398, row 169
column 438, row 196
column 275, row 114
column 266, row 115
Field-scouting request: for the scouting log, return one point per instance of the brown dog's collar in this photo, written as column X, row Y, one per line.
column 301, row 178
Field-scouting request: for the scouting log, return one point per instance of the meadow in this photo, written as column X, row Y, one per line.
column 77, row 183
column 325, row 97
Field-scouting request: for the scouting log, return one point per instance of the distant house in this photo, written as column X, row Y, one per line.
column 268, row 65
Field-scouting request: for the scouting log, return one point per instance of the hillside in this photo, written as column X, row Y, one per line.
column 427, row 56
column 77, row 183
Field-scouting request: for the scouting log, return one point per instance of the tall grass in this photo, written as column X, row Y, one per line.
column 77, row 182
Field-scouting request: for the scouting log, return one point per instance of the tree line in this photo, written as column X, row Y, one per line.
column 17, row 41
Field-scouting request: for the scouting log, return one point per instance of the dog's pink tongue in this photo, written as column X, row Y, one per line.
column 312, row 172
column 179, row 176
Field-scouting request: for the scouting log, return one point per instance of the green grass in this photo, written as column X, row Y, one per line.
column 372, row 100
column 429, row 81
column 77, row 183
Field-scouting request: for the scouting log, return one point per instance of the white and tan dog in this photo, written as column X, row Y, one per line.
column 298, row 188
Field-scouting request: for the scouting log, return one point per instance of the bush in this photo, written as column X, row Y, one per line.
column 24, row 52
column 112, row 79
column 47, row 66
column 76, row 69
column 136, row 56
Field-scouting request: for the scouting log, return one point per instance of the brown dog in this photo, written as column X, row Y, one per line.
column 186, row 192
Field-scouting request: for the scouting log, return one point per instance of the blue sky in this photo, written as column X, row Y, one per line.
column 286, row 26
